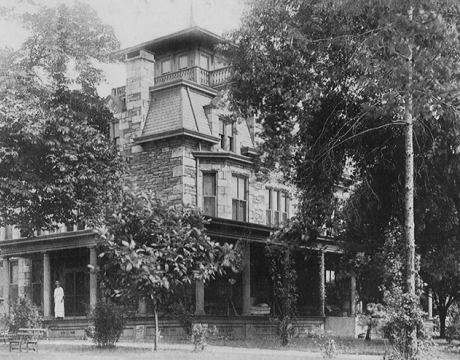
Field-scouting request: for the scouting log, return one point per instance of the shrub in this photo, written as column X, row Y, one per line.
column 285, row 330
column 184, row 315
column 324, row 339
column 25, row 314
column 372, row 317
column 453, row 327
column 108, row 324
column 200, row 334
column 403, row 316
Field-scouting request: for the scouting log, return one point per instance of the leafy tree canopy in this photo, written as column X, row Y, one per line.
column 57, row 162
column 332, row 83
column 150, row 250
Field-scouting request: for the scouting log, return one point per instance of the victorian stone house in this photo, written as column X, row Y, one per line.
column 171, row 122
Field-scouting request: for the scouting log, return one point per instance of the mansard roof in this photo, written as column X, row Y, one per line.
column 177, row 108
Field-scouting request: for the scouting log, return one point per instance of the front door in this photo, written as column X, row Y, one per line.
column 74, row 292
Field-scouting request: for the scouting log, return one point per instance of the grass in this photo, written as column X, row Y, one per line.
column 222, row 349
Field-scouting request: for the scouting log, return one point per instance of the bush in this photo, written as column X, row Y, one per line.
column 25, row 314
column 324, row 339
column 285, row 330
column 200, row 334
column 372, row 317
column 108, row 323
column 185, row 316
column 403, row 316
column 453, row 327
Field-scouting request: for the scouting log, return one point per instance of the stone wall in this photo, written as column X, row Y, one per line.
column 344, row 327
column 159, row 167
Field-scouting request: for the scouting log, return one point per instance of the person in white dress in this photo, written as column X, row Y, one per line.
column 58, row 301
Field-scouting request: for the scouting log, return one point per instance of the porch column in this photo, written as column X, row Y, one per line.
column 6, row 285
column 247, row 280
column 199, row 298
column 353, row 295
column 46, row 285
column 92, row 278
column 322, row 285
column 430, row 304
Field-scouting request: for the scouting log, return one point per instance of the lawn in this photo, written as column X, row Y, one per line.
column 221, row 349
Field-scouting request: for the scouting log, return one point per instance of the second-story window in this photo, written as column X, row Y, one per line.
column 277, row 207
column 166, row 66
column 239, row 198
column 209, row 194
column 226, row 133
column 183, row 61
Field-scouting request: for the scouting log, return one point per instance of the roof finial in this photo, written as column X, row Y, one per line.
column 192, row 18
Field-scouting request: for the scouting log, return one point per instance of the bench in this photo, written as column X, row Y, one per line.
column 27, row 339
column 6, row 337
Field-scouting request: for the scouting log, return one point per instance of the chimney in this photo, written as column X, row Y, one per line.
column 140, row 76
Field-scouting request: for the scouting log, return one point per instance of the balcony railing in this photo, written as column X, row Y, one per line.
column 198, row 75
column 195, row 74
column 119, row 91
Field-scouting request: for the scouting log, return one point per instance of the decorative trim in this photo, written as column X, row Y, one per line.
column 248, row 151
column 223, row 156
column 178, row 132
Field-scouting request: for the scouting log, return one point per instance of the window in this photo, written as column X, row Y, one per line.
column 14, row 276
column 2, row 277
column 330, row 276
column 209, row 194
column 205, row 61
column 239, row 195
column 277, row 207
column 226, row 133
column 183, row 61
column 115, row 133
column 37, row 275
column 231, row 146
column 166, row 66
column 8, row 232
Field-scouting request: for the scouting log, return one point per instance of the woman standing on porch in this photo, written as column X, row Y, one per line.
column 58, row 301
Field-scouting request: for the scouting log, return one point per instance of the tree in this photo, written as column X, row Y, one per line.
column 57, row 162
column 150, row 250
column 323, row 77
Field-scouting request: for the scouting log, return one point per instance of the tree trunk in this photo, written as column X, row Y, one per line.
column 409, row 192
column 368, row 333
column 155, row 343
column 322, row 285
column 442, row 325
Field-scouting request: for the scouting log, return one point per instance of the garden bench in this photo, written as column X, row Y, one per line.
column 6, row 336
column 27, row 339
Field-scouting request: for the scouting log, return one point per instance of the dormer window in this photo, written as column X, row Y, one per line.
column 166, row 66
column 226, row 133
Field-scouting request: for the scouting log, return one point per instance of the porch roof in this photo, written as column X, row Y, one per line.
column 51, row 242
column 225, row 229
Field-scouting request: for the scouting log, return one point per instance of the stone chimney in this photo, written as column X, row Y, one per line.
column 140, row 75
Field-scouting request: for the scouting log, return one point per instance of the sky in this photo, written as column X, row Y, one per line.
column 136, row 21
